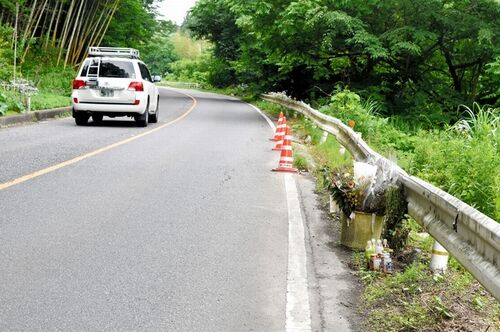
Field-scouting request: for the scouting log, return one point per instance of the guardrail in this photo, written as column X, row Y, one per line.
column 470, row 236
column 187, row 85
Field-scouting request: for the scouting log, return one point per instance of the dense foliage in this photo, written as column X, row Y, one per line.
column 418, row 57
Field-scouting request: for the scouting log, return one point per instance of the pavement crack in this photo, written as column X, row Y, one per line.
column 225, row 179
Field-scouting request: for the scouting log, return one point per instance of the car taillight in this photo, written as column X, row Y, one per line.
column 137, row 102
column 77, row 84
column 136, row 86
column 75, row 100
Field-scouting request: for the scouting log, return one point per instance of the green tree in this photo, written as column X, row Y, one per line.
column 423, row 58
column 159, row 53
column 133, row 25
column 213, row 20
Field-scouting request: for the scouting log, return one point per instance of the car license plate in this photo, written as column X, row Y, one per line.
column 106, row 93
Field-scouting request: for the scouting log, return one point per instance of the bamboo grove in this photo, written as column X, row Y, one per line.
column 68, row 26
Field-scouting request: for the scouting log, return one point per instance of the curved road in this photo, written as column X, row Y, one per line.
column 182, row 229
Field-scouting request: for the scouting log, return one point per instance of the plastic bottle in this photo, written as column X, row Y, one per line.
column 387, row 263
column 376, row 262
column 379, row 248
column 369, row 250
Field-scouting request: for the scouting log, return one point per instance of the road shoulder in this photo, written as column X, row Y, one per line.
column 334, row 289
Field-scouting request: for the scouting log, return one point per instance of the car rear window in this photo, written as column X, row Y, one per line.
column 117, row 69
column 85, row 68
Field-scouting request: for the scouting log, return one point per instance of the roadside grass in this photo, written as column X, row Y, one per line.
column 16, row 103
column 328, row 154
column 10, row 102
column 270, row 108
column 47, row 100
column 412, row 298
column 300, row 162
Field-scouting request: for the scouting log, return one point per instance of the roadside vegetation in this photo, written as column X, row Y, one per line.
column 413, row 299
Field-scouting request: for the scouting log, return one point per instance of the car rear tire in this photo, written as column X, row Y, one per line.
column 81, row 119
column 141, row 120
column 97, row 117
column 153, row 118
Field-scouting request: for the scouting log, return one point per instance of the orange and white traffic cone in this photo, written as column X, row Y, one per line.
column 279, row 128
column 286, row 158
column 280, row 135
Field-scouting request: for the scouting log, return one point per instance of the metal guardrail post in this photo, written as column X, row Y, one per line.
column 439, row 258
column 28, row 104
column 470, row 236
column 324, row 137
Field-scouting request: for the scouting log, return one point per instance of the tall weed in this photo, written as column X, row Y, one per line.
column 464, row 160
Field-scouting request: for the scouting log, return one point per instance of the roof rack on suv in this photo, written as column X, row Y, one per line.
column 121, row 52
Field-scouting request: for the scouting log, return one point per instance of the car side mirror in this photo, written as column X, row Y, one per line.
column 156, row 78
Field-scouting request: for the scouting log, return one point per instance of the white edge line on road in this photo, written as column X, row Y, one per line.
column 269, row 121
column 298, row 312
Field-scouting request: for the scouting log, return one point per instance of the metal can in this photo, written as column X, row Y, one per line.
column 371, row 262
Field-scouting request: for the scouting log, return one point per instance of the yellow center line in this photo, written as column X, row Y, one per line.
column 53, row 168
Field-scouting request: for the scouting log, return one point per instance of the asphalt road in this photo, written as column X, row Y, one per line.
column 184, row 229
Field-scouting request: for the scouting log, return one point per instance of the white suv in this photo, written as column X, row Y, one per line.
column 114, row 82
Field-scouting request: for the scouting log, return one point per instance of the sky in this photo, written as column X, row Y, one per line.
column 175, row 10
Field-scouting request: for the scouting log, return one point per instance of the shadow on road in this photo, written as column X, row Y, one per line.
column 112, row 123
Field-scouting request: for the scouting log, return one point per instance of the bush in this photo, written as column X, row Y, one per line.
column 186, row 70
column 10, row 101
column 45, row 100
column 346, row 106
column 57, row 81
column 206, row 70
